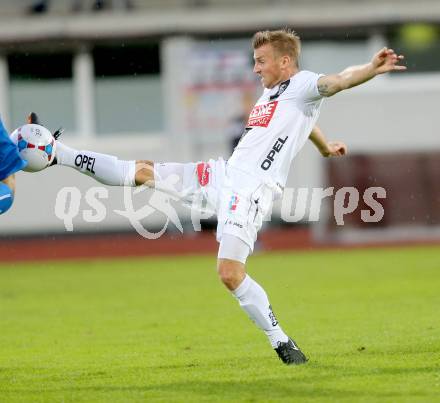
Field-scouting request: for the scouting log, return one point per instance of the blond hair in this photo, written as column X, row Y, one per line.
column 284, row 42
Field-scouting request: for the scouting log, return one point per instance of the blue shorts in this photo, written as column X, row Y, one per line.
column 10, row 160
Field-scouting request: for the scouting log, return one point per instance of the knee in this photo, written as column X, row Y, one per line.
column 231, row 273
column 144, row 173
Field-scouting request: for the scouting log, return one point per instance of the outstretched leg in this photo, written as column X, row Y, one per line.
column 106, row 169
column 174, row 178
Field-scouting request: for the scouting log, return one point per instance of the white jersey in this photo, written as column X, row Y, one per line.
column 278, row 127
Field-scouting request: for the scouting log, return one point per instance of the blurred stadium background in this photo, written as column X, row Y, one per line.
column 172, row 80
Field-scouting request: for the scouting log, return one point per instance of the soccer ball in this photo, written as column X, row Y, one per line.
column 36, row 145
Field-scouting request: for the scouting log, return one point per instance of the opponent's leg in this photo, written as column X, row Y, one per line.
column 252, row 297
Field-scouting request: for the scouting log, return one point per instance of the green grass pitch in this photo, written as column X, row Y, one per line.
column 165, row 329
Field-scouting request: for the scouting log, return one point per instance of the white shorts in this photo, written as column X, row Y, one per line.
column 239, row 200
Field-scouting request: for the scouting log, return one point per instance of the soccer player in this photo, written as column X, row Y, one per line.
column 242, row 189
column 10, row 163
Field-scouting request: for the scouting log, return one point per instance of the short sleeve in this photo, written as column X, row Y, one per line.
column 307, row 86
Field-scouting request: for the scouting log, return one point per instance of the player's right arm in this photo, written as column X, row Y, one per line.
column 384, row 61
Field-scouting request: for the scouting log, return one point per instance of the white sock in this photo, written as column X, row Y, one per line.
column 106, row 169
column 253, row 299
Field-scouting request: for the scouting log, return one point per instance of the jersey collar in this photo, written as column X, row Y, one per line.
column 281, row 88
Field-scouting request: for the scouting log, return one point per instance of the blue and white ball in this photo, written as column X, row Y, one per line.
column 36, row 145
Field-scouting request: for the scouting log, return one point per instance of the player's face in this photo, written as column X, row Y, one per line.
column 268, row 66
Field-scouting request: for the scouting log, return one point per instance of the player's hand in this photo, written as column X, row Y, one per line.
column 335, row 149
column 387, row 60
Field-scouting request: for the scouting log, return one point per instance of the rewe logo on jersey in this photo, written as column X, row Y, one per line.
column 261, row 115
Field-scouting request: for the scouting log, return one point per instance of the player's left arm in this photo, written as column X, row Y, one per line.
column 384, row 61
column 327, row 148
